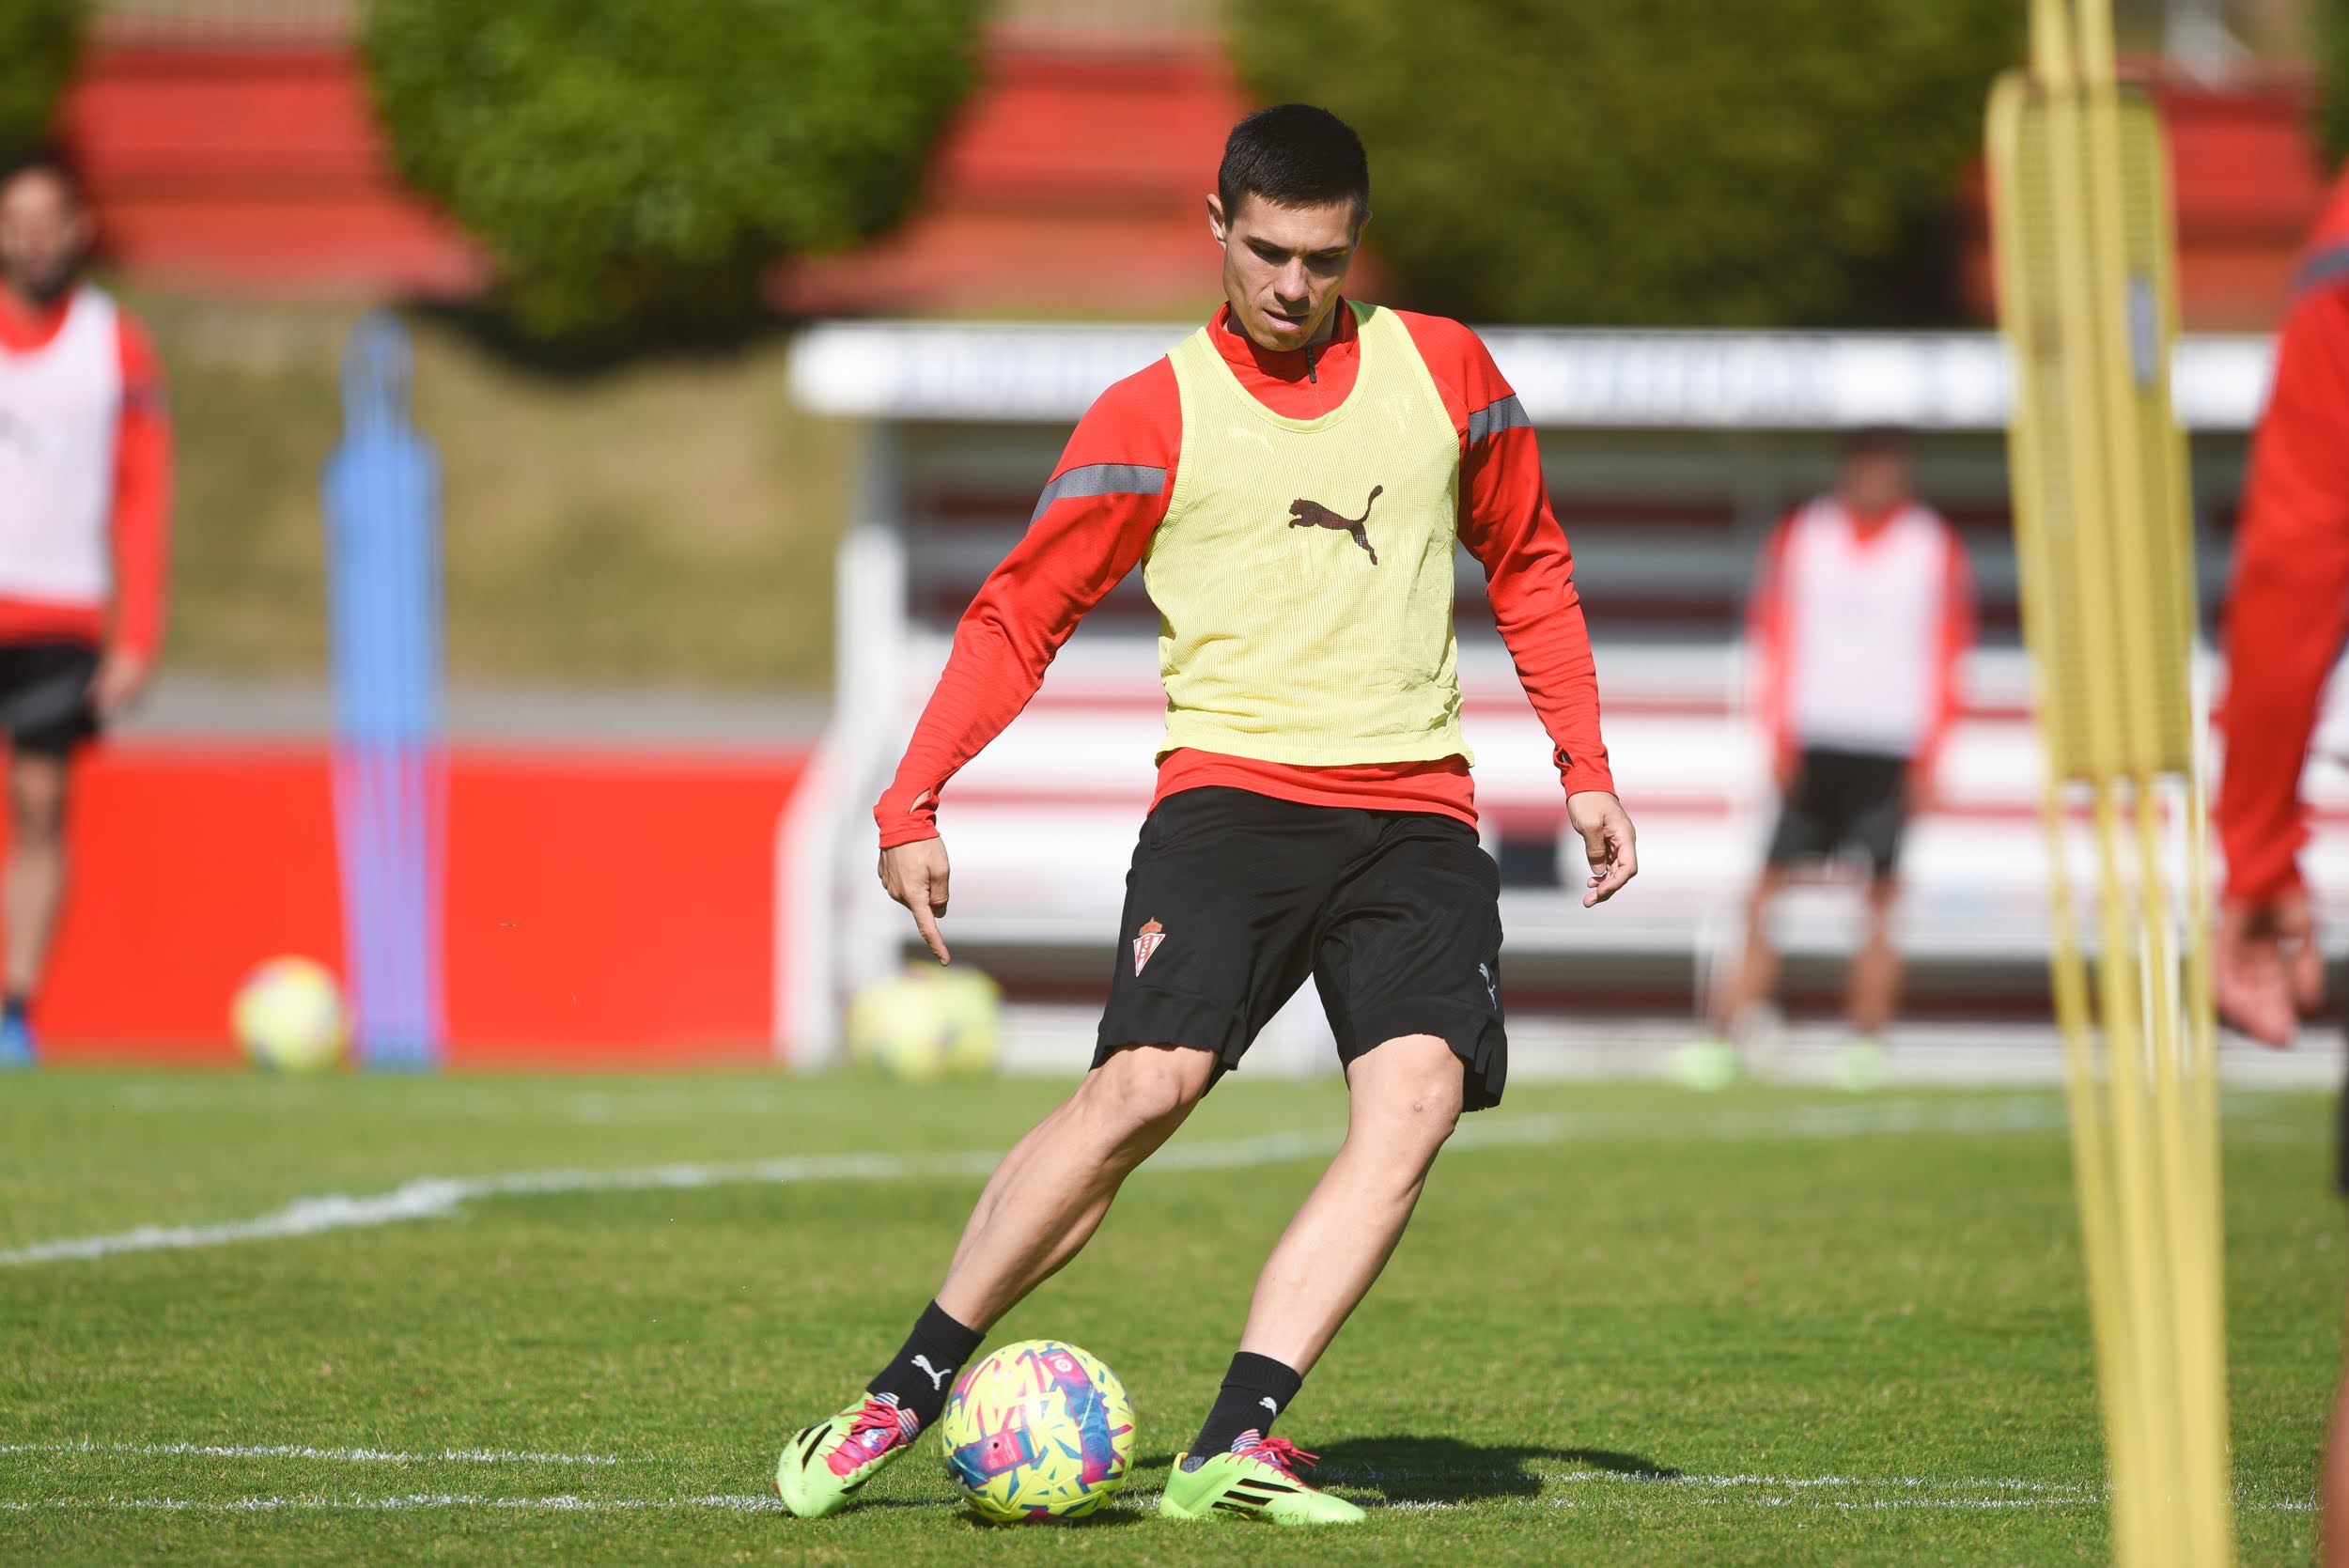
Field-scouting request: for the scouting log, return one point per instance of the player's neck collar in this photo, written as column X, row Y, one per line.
column 24, row 324
column 1243, row 352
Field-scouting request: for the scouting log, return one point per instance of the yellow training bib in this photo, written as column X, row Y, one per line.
column 1302, row 573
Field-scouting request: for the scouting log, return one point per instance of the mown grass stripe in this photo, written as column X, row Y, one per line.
column 442, row 1197
column 304, row 1451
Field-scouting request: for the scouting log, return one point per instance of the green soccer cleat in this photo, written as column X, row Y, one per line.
column 824, row 1464
column 1706, row 1065
column 1860, row 1066
column 1255, row 1481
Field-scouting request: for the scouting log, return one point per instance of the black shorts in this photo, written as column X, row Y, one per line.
column 1844, row 798
column 1234, row 897
column 44, row 696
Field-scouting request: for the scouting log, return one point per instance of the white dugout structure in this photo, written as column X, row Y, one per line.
column 1668, row 455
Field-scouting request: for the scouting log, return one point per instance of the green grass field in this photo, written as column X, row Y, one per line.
column 571, row 1320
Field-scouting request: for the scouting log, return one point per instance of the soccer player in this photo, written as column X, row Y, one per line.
column 2286, row 616
column 1862, row 612
column 85, row 482
column 1291, row 479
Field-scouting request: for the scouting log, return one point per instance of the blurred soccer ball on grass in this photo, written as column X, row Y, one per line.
column 289, row 1017
column 926, row 1023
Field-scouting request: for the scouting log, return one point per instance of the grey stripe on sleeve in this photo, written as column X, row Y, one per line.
column 1503, row 413
column 2330, row 265
column 1101, row 479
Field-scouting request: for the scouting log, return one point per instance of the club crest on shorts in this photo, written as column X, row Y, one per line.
column 1146, row 941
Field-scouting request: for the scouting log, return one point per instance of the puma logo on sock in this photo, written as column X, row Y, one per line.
column 938, row 1378
column 1269, row 1403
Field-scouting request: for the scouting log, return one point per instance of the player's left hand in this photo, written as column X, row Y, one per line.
column 1608, row 840
column 119, row 683
column 1922, row 796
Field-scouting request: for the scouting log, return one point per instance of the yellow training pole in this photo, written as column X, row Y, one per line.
column 2080, row 211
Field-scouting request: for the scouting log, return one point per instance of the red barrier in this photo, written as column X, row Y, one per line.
column 606, row 908
column 612, row 909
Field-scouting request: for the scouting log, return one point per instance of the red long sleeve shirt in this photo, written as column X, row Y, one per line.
column 2288, row 609
column 141, row 518
column 1078, row 548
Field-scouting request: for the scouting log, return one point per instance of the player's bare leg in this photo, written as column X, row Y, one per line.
column 1039, row 1209
column 1755, row 978
column 1876, row 972
column 37, row 864
column 36, row 880
column 1048, row 1196
column 1712, row 1062
column 2333, row 1487
column 1874, row 989
column 1405, row 1098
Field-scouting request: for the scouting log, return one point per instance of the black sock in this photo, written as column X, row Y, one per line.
column 924, row 1371
column 1255, row 1390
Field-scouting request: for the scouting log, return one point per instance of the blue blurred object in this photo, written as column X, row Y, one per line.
column 382, row 496
column 17, row 1048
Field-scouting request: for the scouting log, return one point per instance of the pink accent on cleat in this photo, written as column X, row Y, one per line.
column 1278, row 1453
column 878, row 1427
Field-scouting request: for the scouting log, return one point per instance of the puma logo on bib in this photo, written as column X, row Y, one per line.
column 1312, row 514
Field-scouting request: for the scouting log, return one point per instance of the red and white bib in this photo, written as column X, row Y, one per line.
column 61, row 406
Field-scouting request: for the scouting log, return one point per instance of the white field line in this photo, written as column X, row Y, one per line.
column 1844, row 1493
column 442, row 1197
column 304, row 1451
column 1138, row 1503
column 395, row 1504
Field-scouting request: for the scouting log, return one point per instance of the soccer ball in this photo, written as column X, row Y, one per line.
column 289, row 1017
column 927, row 1023
column 1038, row 1430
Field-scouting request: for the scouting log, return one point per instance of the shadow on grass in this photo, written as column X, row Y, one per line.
column 1445, row 1470
column 1109, row 1518
column 1112, row 1518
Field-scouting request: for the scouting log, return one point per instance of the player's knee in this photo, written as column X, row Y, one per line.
column 1419, row 1097
column 1143, row 1088
column 38, row 824
column 1435, row 1107
column 36, row 800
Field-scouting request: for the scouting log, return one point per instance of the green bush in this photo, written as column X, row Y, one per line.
column 2331, row 24
column 1654, row 162
column 40, row 40
column 633, row 165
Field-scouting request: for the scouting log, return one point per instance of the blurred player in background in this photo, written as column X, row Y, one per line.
column 84, row 480
column 1862, row 610
column 2287, row 615
column 1291, row 479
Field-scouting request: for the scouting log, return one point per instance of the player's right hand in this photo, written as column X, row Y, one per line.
column 1607, row 842
column 915, row 875
column 119, row 683
column 2269, row 973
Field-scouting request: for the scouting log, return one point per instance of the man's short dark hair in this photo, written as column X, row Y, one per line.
column 1294, row 155
column 50, row 160
column 1876, row 440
